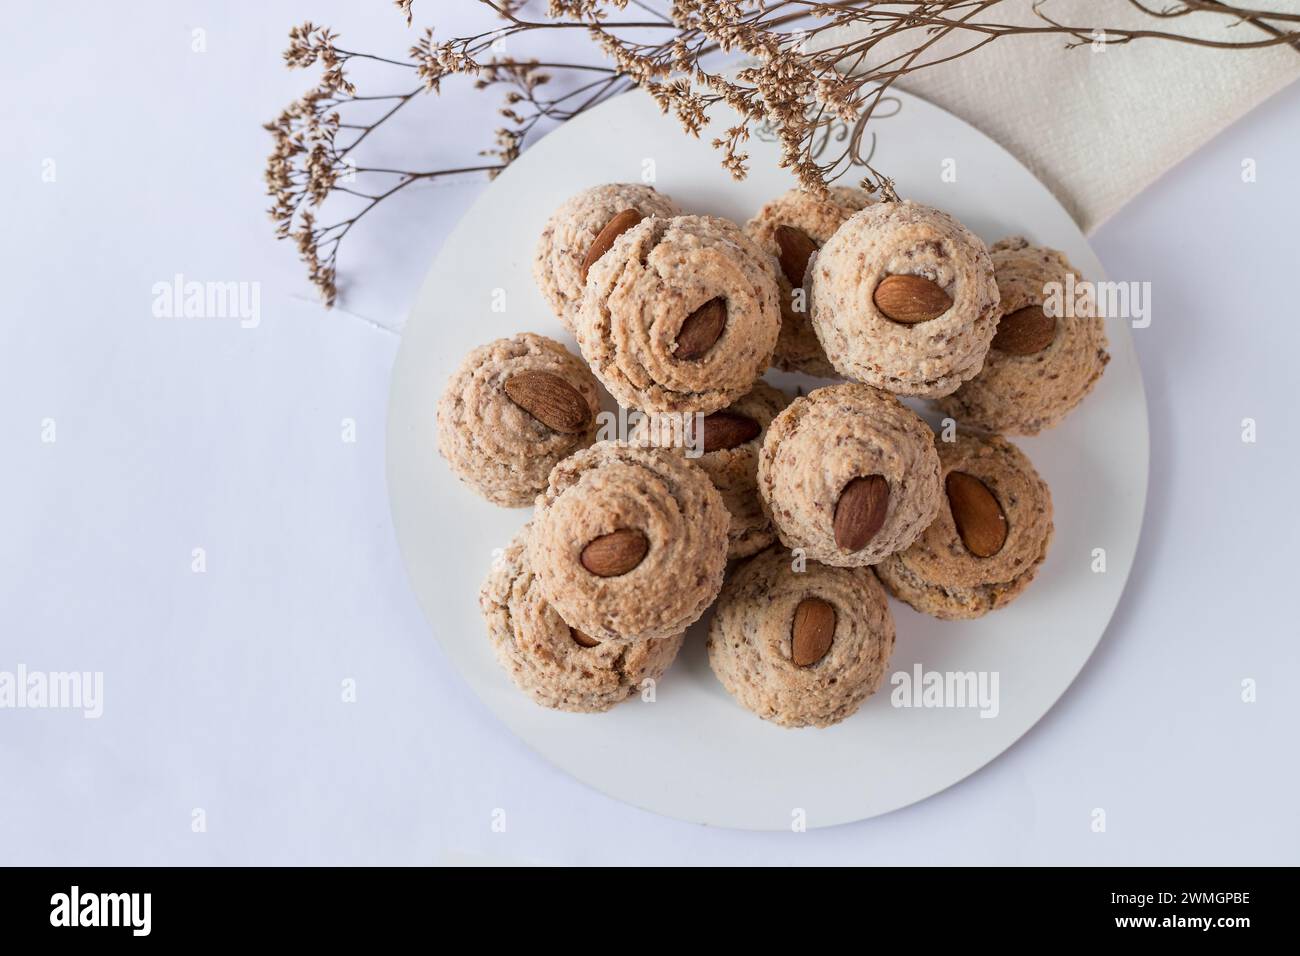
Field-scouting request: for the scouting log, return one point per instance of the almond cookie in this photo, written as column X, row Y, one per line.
column 1040, row 366
column 725, row 445
column 512, row 410
column 582, row 230
column 990, row 537
column 681, row 315
column 800, row 648
column 791, row 228
column 629, row 543
column 903, row 298
column 849, row 474
column 555, row 665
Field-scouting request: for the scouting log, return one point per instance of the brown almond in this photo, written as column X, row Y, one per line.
column 724, row 430
column 796, row 248
column 615, row 553
column 1025, row 331
column 581, row 639
column 860, row 511
column 701, row 330
column 620, row 224
column 911, row 299
column 812, row 632
column 979, row 518
column 551, row 400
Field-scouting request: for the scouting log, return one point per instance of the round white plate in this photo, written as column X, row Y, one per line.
column 694, row 753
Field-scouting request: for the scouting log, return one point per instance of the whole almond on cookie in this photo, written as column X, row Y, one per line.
column 615, row 553
column 812, row 631
column 551, row 400
column 701, row 330
column 1025, row 331
column 860, row 512
column 796, row 248
column 910, row 299
column 620, row 224
column 723, row 430
column 979, row 518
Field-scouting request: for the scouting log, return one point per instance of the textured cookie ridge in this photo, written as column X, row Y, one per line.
column 641, row 295
column 733, row 470
column 750, row 641
column 938, row 575
column 571, row 231
column 824, row 441
column 493, row 445
column 611, row 487
column 928, row 358
column 540, row 653
column 797, row 347
column 1025, row 394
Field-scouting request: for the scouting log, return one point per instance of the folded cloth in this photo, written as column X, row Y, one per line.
column 1099, row 123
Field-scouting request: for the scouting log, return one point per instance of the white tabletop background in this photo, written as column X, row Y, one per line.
column 222, row 688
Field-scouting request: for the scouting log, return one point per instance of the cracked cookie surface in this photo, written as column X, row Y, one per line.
column 571, row 231
column 614, row 489
column 733, row 469
column 1025, row 388
column 788, row 228
column 681, row 314
column 823, row 442
column 939, row 575
column 495, row 446
column 926, row 358
column 545, row 658
column 752, row 646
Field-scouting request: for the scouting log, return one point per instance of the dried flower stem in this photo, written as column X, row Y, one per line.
column 797, row 80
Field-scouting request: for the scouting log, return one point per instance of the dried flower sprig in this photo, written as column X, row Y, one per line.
column 799, row 78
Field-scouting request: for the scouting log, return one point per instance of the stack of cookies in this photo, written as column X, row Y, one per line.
column 794, row 516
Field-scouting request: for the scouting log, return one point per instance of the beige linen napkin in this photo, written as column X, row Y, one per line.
column 1099, row 123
